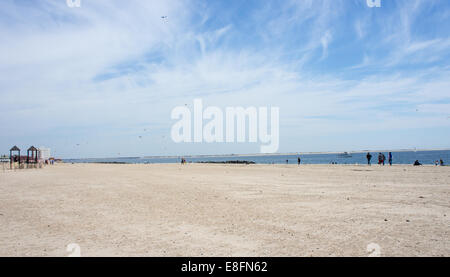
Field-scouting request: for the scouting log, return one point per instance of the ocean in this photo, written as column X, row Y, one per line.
column 401, row 157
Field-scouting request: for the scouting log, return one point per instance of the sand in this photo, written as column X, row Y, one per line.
column 225, row 210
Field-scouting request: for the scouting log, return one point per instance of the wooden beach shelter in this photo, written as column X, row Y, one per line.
column 14, row 149
column 34, row 155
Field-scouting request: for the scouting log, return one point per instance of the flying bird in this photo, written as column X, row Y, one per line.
column 164, row 16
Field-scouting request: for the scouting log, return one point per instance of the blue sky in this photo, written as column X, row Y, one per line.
column 101, row 80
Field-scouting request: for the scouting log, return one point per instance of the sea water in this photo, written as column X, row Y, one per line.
column 402, row 157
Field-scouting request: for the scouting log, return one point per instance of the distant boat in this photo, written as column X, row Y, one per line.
column 344, row 155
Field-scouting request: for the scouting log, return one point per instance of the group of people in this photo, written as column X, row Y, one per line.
column 436, row 163
column 381, row 158
column 441, row 163
column 299, row 161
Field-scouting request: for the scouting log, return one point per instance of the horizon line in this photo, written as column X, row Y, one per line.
column 262, row 154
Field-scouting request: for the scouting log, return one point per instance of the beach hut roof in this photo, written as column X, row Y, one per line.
column 15, row 148
column 32, row 148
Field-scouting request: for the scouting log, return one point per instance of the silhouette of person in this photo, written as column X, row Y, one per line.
column 369, row 157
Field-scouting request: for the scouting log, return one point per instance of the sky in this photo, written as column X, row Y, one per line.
column 102, row 79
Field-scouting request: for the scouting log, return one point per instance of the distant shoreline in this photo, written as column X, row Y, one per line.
column 263, row 154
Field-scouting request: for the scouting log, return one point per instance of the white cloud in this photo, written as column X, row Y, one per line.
column 116, row 66
column 325, row 40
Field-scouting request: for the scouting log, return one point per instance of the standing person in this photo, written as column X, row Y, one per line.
column 299, row 160
column 390, row 158
column 287, row 161
column 383, row 158
column 380, row 158
column 369, row 157
column 441, row 162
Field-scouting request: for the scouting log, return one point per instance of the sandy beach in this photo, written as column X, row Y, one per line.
column 225, row 210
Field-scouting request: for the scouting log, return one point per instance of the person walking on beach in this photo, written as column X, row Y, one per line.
column 390, row 158
column 287, row 161
column 380, row 158
column 383, row 158
column 441, row 162
column 299, row 160
column 369, row 157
